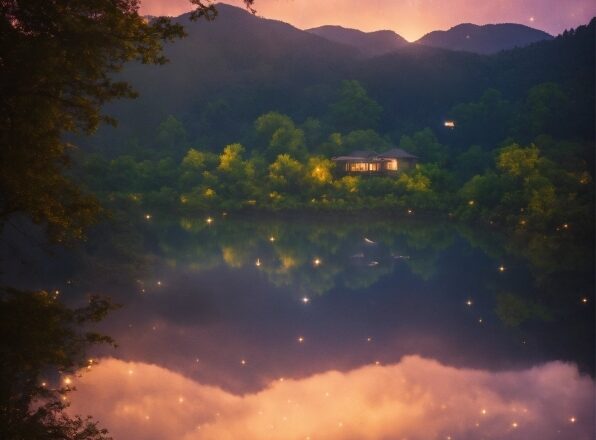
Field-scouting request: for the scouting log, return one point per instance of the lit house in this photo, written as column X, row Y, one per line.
column 372, row 163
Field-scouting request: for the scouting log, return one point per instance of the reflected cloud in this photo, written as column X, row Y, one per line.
column 416, row 398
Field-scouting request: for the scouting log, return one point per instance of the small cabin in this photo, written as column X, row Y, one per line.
column 372, row 163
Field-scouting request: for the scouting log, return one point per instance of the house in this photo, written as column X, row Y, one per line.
column 372, row 163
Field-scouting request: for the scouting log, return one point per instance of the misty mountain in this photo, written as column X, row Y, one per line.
column 487, row 39
column 368, row 43
column 226, row 73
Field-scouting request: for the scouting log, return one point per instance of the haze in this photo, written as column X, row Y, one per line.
column 409, row 18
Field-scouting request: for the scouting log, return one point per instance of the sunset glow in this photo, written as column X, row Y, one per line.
column 416, row 398
column 410, row 19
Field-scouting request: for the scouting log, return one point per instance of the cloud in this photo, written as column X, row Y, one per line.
column 417, row 399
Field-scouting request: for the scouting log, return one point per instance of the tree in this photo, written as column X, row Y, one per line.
column 354, row 109
column 57, row 59
column 281, row 135
column 40, row 339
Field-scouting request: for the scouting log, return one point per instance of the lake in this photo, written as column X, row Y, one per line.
column 331, row 328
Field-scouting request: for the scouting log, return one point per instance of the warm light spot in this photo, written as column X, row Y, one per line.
column 67, row 381
column 501, row 268
column 243, row 362
column 369, row 339
column 377, row 363
column 410, row 211
column 147, row 216
column 514, row 425
column 483, row 411
column 43, row 384
column 258, row 262
column 585, row 300
column 305, row 299
column 316, row 262
column 572, row 419
column 209, row 220
column 469, row 302
column 471, row 202
column 180, row 399
column 159, row 283
column 479, row 320
column 300, row 339
column 565, row 225
column 532, row 19
column 272, row 239
column 449, row 124
column 130, row 372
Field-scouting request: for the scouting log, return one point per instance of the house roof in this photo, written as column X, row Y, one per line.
column 363, row 153
column 398, row 153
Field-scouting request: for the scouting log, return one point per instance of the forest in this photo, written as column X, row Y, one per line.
column 521, row 161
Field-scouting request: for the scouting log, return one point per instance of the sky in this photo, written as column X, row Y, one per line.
column 409, row 18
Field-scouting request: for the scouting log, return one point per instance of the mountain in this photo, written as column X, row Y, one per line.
column 226, row 73
column 487, row 39
column 368, row 43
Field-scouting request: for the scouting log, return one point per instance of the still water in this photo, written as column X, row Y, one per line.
column 329, row 329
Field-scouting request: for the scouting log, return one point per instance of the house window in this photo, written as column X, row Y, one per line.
column 358, row 166
column 374, row 166
column 393, row 165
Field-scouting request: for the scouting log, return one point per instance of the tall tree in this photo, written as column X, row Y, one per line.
column 57, row 60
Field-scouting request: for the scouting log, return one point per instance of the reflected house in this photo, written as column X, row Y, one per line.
column 372, row 163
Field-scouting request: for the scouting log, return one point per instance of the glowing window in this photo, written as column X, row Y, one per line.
column 358, row 166
column 393, row 165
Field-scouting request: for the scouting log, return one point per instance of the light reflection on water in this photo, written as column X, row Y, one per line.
column 395, row 320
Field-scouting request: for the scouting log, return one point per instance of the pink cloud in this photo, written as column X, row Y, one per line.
column 417, row 398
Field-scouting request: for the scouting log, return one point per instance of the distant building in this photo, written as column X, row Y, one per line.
column 372, row 163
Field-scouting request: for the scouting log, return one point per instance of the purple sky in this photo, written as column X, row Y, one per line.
column 409, row 18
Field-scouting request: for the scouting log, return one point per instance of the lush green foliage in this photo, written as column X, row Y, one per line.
column 43, row 342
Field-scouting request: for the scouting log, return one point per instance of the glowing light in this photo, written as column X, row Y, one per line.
column 483, row 411
column 180, row 399
column 147, row 216
column 300, row 339
column 242, row 362
column 377, row 363
column 410, row 211
column 159, row 283
column 532, row 19
column 305, row 300
column 514, row 425
column 272, row 239
column 469, row 302
column 572, row 419
column 471, row 202
column 479, row 320
column 585, row 300
column 43, row 384
column 565, row 225
column 449, row 124
column 258, row 262
column 67, row 381
column 501, row 268
column 56, row 292
column 209, row 220
column 316, row 262
column 369, row 339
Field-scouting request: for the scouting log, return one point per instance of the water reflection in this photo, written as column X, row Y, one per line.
column 394, row 319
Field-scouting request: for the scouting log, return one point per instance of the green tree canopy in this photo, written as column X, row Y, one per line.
column 354, row 109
